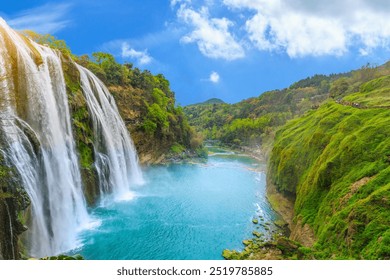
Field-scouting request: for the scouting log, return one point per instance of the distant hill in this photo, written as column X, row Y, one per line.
column 210, row 102
column 254, row 121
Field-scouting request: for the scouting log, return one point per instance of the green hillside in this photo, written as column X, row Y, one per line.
column 336, row 160
column 209, row 102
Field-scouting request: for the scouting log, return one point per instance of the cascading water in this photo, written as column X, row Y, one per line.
column 52, row 177
column 36, row 124
column 117, row 160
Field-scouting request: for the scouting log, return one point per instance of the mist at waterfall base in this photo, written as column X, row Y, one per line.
column 184, row 211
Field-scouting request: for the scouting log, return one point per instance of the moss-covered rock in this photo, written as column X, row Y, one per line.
column 232, row 255
column 13, row 201
column 63, row 258
column 247, row 242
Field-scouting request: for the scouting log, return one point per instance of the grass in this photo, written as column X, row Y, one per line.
column 320, row 156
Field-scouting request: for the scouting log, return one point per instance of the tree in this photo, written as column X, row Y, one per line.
column 112, row 69
column 339, row 88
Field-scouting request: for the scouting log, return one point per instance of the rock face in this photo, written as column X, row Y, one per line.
column 302, row 233
column 10, row 229
column 13, row 200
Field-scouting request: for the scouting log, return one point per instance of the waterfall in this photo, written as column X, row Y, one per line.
column 51, row 178
column 114, row 148
column 36, row 123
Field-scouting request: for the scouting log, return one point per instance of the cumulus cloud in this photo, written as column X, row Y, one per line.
column 49, row 18
column 214, row 77
column 316, row 28
column 210, row 34
column 142, row 57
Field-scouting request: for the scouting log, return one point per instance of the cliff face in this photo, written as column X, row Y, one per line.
column 335, row 160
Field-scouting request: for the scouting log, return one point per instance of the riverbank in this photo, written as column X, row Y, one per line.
column 148, row 159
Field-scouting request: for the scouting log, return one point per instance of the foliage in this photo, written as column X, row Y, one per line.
column 177, row 148
column 339, row 87
column 63, row 258
column 211, row 101
column 13, row 201
column 318, row 81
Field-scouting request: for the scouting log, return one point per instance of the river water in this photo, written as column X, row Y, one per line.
column 184, row 211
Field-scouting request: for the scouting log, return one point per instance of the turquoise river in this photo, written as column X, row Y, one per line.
column 190, row 211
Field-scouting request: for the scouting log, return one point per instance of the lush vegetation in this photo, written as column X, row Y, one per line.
column 13, row 200
column 211, row 101
column 63, row 258
column 336, row 161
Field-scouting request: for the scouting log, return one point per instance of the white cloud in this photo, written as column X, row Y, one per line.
column 210, row 34
column 214, row 77
column 316, row 28
column 142, row 57
column 49, row 18
column 174, row 2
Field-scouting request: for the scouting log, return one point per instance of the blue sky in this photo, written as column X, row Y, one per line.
column 228, row 49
